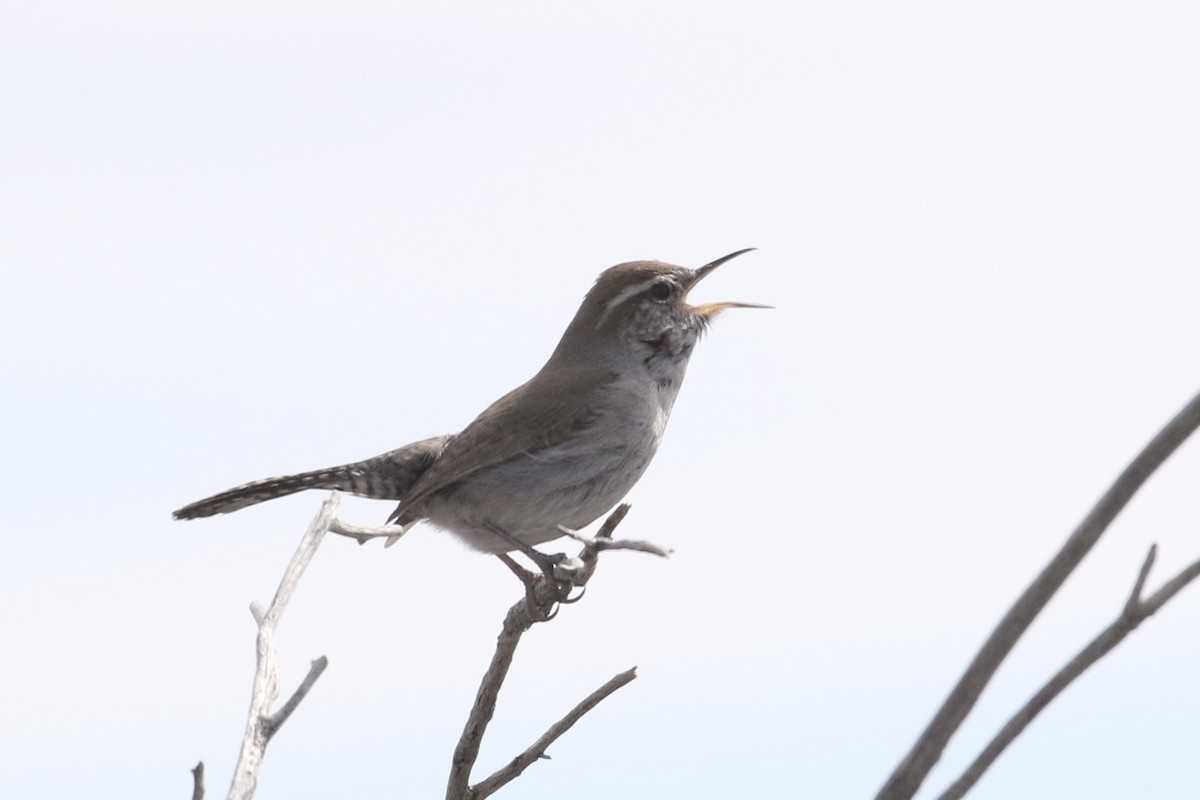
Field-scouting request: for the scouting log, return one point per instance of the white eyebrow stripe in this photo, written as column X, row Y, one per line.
column 623, row 295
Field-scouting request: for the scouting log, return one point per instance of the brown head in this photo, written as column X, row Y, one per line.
column 639, row 310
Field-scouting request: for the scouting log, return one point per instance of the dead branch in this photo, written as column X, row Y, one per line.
column 537, row 750
column 543, row 596
column 541, row 599
column 925, row 753
column 364, row 533
column 276, row 720
column 198, row 781
column 1135, row 611
column 261, row 725
column 600, row 543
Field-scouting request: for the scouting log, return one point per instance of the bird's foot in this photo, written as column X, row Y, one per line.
column 559, row 568
column 543, row 596
column 563, row 572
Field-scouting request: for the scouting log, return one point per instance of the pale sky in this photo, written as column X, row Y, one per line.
column 245, row 239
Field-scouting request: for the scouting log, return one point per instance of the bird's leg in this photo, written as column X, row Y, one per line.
column 557, row 567
column 526, row 577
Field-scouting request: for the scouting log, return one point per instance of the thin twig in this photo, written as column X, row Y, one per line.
column 1135, row 611
column 591, row 553
column 1169, row 589
column 1139, row 585
column 537, row 750
column 538, row 605
column 276, row 720
column 600, row 544
column 364, row 533
column 915, row 766
column 614, row 519
column 516, row 622
column 198, row 781
column 261, row 725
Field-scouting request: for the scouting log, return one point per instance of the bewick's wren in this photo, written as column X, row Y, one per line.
column 561, row 449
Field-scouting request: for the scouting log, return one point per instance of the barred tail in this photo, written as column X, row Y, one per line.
column 266, row 489
column 385, row 477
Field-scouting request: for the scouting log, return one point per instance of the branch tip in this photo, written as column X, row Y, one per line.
column 1135, row 611
column 198, row 781
column 614, row 519
column 274, row 721
column 915, row 766
column 1139, row 585
column 365, row 533
column 260, row 724
column 537, row 750
column 541, row 595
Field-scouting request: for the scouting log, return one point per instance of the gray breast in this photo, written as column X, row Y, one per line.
column 569, row 484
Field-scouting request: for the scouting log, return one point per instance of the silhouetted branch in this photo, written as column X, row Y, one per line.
column 1135, row 611
column 198, row 781
column 925, row 753
column 538, row 749
column 542, row 596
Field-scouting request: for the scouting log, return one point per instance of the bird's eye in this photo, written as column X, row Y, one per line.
column 660, row 291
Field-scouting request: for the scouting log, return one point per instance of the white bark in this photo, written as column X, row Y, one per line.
column 261, row 724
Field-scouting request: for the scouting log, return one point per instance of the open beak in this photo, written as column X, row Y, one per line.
column 710, row 310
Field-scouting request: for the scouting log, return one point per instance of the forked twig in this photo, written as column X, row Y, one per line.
column 261, row 725
column 915, row 766
column 198, row 781
column 541, row 597
column 1136, row 610
column 276, row 720
column 364, row 533
column 537, row 750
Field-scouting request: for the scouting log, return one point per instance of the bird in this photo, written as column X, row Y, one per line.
column 559, row 450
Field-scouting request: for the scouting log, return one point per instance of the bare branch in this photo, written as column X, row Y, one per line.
column 537, row 604
column 198, row 781
column 602, row 543
column 364, row 533
column 261, row 725
column 1135, row 611
column 276, row 720
column 925, row 753
column 591, row 547
column 537, row 750
column 1139, row 585
column 1169, row 589
column 542, row 596
column 614, row 519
